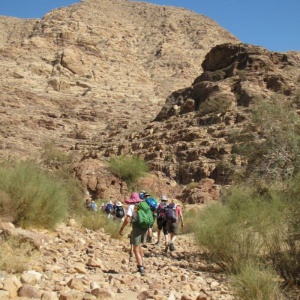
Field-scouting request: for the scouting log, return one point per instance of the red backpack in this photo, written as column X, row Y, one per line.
column 161, row 210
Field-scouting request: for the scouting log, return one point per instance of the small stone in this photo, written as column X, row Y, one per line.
column 49, row 296
column 186, row 297
column 28, row 291
column 80, row 268
column 214, row 284
column 66, row 297
column 184, row 278
column 201, row 296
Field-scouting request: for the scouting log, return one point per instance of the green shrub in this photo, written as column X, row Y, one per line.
column 275, row 153
column 226, row 239
column 255, row 282
column 214, row 105
column 129, row 169
column 62, row 165
column 190, row 217
column 93, row 220
column 258, row 224
column 34, row 198
column 56, row 159
column 98, row 220
column 192, row 185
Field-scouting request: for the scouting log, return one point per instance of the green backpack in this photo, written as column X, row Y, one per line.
column 144, row 215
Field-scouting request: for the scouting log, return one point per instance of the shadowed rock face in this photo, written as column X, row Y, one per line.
column 231, row 71
column 95, row 69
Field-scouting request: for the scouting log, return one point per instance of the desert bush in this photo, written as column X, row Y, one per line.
column 93, row 220
column 283, row 246
column 129, row 169
column 15, row 255
column 192, row 185
column 214, row 105
column 97, row 220
column 34, row 198
column 55, row 158
column 62, row 166
column 275, row 153
column 258, row 224
column 255, row 282
column 219, row 75
column 190, row 217
column 227, row 241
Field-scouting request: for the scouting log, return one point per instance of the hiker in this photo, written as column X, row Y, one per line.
column 153, row 205
column 93, row 206
column 139, row 215
column 172, row 214
column 161, row 221
column 101, row 207
column 87, row 204
column 119, row 212
column 142, row 194
column 109, row 208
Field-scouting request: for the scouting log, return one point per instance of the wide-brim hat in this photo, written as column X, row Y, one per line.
column 109, row 202
column 163, row 198
column 134, row 198
column 119, row 203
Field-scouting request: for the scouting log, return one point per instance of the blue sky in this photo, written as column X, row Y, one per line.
column 273, row 24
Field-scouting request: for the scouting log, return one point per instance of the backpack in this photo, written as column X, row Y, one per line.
column 109, row 208
column 93, row 206
column 152, row 203
column 119, row 212
column 144, row 215
column 161, row 210
column 170, row 213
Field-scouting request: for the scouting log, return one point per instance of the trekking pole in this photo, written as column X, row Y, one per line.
column 131, row 250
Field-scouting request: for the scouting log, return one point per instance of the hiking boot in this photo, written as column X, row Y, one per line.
column 141, row 270
column 157, row 243
column 150, row 240
column 172, row 247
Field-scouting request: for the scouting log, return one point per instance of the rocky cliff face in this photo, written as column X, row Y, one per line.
column 94, row 69
column 191, row 137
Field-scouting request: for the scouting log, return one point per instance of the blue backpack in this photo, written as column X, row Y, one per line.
column 109, row 208
column 92, row 206
column 152, row 203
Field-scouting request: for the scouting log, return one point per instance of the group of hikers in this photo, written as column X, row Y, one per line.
column 113, row 210
column 141, row 214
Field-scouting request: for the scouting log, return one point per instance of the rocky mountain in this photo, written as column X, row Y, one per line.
column 94, row 69
column 190, row 140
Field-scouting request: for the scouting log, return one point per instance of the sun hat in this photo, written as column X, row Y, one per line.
column 134, row 198
column 142, row 192
column 163, row 198
column 109, row 202
column 119, row 203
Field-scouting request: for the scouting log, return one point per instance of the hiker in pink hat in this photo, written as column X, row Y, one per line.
column 138, row 235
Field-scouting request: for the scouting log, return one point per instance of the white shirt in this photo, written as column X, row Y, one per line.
column 131, row 213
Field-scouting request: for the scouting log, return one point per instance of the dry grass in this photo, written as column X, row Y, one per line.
column 15, row 255
column 98, row 220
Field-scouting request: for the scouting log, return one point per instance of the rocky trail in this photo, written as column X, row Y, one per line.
column 78, row 263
